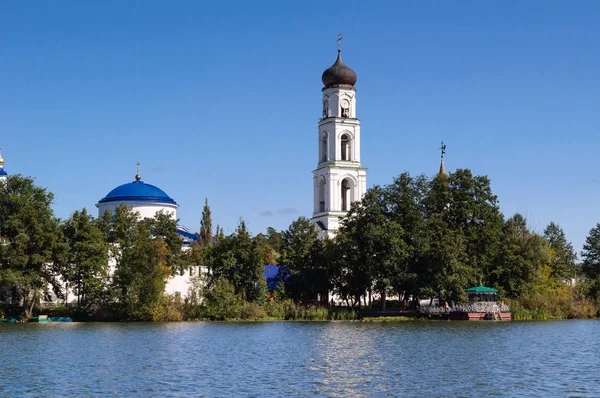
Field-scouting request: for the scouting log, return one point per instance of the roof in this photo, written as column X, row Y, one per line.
column 442, row 169
column 137, row 191
column 3, row 173
column 338, row 74
column 481, row 289
column 187, row 234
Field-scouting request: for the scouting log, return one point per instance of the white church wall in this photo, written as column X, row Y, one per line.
column 146, row 210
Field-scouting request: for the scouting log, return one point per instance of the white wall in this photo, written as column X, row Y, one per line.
column 146, row 209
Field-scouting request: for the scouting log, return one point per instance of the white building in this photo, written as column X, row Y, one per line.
column 147, row 200
column 339, row 178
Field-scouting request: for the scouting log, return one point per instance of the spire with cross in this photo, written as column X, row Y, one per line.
column 339, row 41
column 138, row 176
column 442, row 166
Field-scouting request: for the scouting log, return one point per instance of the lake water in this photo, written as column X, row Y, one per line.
column 426, row 359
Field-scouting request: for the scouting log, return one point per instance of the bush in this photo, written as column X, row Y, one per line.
column 169, row 309
column 221, row 303
column 253, row 311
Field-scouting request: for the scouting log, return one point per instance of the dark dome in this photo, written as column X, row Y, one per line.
column 339, row 74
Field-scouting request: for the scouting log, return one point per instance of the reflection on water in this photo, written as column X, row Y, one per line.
column 426, row 359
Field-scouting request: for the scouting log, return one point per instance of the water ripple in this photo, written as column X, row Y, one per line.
column 335, row 359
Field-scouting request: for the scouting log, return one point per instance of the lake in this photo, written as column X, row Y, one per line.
column 420, row 358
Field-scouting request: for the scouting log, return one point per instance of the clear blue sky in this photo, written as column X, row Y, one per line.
column 222, row 99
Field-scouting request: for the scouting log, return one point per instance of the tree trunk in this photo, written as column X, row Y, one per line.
column 384, row 299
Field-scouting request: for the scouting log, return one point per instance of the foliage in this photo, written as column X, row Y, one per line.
column 141, row 263
column 85, row 267
column 221, row 302
column 303, row 265
column 238, row 258
column 563, row 257
column 206, row 235
column 30, row 242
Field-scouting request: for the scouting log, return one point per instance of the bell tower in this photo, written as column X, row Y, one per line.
column 339, row 178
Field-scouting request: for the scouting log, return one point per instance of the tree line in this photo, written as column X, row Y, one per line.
column 415, row 238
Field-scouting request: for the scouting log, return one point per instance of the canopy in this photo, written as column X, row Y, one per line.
column 481, row 289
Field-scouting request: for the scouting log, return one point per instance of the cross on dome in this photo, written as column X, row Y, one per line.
column 138, row 176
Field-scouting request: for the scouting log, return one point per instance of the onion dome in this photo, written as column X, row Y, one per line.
column 137, row 191
column 339, row 74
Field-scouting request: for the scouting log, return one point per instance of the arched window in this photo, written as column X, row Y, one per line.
column 324, row 148
column 346, row 194
column 326, row 108
column 345, row 147
column 321, row 194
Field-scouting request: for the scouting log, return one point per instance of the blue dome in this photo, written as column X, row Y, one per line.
column 138, row 191
column 3, row 173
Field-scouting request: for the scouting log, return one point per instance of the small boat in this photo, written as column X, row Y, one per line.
column 481, row 306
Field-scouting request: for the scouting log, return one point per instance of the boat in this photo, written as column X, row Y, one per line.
column 482, row 305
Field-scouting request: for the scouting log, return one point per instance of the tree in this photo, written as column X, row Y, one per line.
column 591, row 255
column 30, row 242
column 238, row 258
column 163, row 227
column 141, row 263
column 86, row 268
column 373, row 248
column 474, row 211
column 206, row 235
column 522, row 256
column 563, row 256
column 301, row 266
column 404, row 204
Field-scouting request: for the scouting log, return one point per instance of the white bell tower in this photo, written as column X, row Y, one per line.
column 339, row 178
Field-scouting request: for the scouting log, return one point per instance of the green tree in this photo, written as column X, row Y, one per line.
column 404, row 204
column 221, row 302
column 301, row 262
column 163, row 227
column 86, row 268
column 238, row 258
column 373, row 248
column 474, row 211
column 563, row 262
column 522, row 256
column 30, row 242
column 141, row 265
column 590, row 255
column 206, row 233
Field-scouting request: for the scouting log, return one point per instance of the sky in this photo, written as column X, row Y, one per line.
column 221, row 100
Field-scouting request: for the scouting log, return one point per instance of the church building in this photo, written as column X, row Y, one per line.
column 147, row 200
column 339, row 178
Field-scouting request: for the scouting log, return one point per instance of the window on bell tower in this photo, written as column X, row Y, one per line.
column 324, row 148
column 345, row 195
column 345, row 147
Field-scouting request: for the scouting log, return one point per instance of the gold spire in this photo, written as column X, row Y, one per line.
column 1, row 158
column 138, row 176
column 442, row 167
